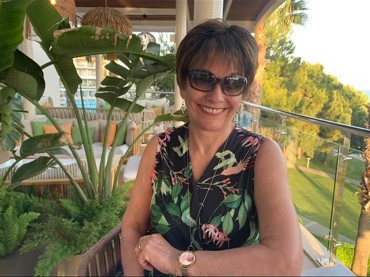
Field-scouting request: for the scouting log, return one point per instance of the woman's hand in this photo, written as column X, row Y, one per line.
column 155, row 251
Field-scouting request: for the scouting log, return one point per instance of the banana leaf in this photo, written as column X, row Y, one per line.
column 12, row 15
column 31, row 169
column 43, row 143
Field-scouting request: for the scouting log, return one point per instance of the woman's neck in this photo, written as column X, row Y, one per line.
column 205, row 142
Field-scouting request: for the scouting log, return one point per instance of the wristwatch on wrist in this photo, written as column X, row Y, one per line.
column 186, row 260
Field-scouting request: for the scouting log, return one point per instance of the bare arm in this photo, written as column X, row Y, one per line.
column 135, row 219
column 280, row 249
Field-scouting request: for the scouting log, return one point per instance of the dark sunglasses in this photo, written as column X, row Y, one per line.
column 203, row 80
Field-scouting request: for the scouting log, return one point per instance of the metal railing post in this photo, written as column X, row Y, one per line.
column 340, row 178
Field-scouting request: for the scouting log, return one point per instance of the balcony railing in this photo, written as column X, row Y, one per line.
column 323, row 175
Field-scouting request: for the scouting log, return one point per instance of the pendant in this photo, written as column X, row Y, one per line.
column 191, row 247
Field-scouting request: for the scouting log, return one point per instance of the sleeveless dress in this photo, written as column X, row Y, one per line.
column 218, row 211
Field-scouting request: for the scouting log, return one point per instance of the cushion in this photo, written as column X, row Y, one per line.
column 130, row 170
column 67, row 128
column 157, row 110
column 141, row 102
column 76, row 134
column 92, row 124
column 111, row 133
column 37, row 127
column 64, row 120
column 130, row 131
column 166, row 108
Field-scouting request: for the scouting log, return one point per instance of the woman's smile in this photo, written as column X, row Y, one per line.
column 213, row 111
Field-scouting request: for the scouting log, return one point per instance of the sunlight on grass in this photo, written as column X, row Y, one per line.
column 312, row 196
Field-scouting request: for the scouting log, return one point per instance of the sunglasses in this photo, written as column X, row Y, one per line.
column 203, row 80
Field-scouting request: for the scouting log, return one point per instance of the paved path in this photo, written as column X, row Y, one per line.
column 318, row 229
column 313, row 226
column 325, row 174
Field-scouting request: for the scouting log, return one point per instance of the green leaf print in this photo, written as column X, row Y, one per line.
column 224, row 161
column 227, row 224
column 253, row 235
column 165, row 186
column 216, row 221
column 163, row 220
column 173, row 209
column 242, row 216
column 232, row 201
column 162, row 229
column 187, row 219
column 183, row 148
column 176, row 189
column 248, row 201
column 185, row 203
column 188, row 171
column 156, row 212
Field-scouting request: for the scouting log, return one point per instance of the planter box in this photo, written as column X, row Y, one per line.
column 18, row 264
column 68, row 267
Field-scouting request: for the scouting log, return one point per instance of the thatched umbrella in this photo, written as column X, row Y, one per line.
column 67, row 9
column 106, row 17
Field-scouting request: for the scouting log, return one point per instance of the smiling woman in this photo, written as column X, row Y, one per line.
column 201, row 199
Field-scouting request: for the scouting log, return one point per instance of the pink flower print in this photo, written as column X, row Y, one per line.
column 162, row 142
column 235, row 169
column 250, row 141
column 212, row 232
column 167, row 134
column 154, row 173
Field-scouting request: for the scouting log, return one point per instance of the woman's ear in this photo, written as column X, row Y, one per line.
column 182, row 94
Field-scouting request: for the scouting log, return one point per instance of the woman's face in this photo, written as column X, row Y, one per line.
column 212, row 110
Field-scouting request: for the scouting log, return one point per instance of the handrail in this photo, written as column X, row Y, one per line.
column 354, row 130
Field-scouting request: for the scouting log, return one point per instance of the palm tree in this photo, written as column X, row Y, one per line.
column 362, row 247
column 293, row 12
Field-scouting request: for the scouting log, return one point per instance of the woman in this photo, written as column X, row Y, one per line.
column 211, row 198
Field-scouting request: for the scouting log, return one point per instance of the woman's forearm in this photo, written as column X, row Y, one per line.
column 130, row 264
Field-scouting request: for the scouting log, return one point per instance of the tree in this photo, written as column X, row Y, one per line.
column 279, row 24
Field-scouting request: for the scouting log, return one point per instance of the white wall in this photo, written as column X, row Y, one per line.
column 50, row 75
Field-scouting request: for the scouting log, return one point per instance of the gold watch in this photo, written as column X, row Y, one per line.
column 186, row 260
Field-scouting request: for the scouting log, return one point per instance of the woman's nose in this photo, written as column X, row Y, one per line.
column 216, row 94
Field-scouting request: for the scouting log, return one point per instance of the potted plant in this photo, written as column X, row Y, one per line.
column 16, row 214
column 21, row 75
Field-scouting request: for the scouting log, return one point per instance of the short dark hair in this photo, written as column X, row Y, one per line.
column 215, row 39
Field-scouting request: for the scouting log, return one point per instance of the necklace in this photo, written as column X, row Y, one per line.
column 191, row 246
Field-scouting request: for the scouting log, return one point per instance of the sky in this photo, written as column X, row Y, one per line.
column 337, row 35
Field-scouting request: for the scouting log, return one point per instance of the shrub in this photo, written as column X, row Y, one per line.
column 15, row 217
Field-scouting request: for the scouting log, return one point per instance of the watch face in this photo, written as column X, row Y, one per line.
column 186, row 259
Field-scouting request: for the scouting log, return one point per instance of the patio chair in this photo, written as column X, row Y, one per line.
column 104, row 258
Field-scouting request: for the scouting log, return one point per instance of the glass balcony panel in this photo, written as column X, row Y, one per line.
column 323, row 175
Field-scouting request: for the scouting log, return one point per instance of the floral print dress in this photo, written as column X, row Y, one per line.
column 218, row 211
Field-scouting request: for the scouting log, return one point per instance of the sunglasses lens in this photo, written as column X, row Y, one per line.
column 234, row 85
column 206, row 81
column 202, row 80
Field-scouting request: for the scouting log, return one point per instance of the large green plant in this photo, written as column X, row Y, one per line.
column 20, row 74
column 15, row 217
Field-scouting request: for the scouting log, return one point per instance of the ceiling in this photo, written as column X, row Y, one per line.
column 160, row 15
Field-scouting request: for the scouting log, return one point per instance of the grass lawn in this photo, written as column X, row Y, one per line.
column 355, row 167
column 312, row 196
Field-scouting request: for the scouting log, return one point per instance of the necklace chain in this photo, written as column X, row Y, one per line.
column 191, row 246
